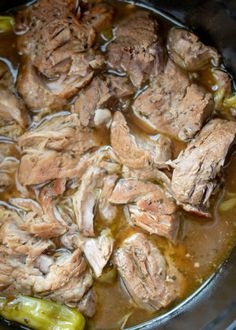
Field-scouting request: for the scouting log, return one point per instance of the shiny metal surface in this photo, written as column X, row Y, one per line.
column 213, row 306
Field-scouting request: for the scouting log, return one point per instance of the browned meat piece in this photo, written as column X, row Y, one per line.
column 137, row 48
column 174, row 105
column 13, row 120
column 53, row 150
column 88, row 194
column 149, row 207
column 64, row 267
column 8, row 164
column 152, row 280
column 62, row 277
column 147, row 174
column 186, row 50
column 72, row 239
column 57, row 50
column 41, row 93
column 198, row 168
column 155, row 213
column 18, row 241
column 129, row 190
column 47, row 197
column 105, row 92
column 98, row 251
column 85, row 200
column 138, row 151
column 49, row 29
column 6, row 77
column 107, row 211
column 36, row 222
column 33, row 90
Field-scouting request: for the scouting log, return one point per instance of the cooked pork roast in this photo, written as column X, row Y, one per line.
column 173, row 104
column 137, row 48
column 114, row 130
column 149, row 207
column 151, row 280
column 198, row 168
column 57, row 47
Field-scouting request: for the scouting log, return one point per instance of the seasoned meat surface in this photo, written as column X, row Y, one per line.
column 53, row 150
column 187, row 51
column 27, row 267
column 17, row 239
column 8, row 164
column 148, row 207
column 107, row 211
column 104, row 92
column 197, row 170
column 136, row 152
column 151, row 280
column 89, row 194
column 98, row 251
column 174, row 105
column 57, row 48
column 13, row 118
column 37, row 221
column 137, row 48
column 62, row 277
column 85, row 200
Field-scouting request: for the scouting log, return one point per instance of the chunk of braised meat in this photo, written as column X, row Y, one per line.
column 8, row 164
column 62, row 276
column 50, row 27
column 53, row 149
column 19, row 241
column 137, row 48
column 98, row 251
column 187, row 51
column 57, row 48
column 47, row 198
column 36, row 221
column 107, row 211
column 152, row 280
column 41, row 93
column 85, row 200
column 198, row 168
column 147, row 174
column 104, row 92
column 138, row 152
column 149, row 207
column 174, row 105
column 129, row 190
column 87, row 197
column 13, row 119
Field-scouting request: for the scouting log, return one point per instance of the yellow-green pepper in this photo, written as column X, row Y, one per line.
column 40, row 314
column 6, row 23
column 230, row 102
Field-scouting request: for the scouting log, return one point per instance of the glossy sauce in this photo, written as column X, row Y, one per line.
column 203, row 244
